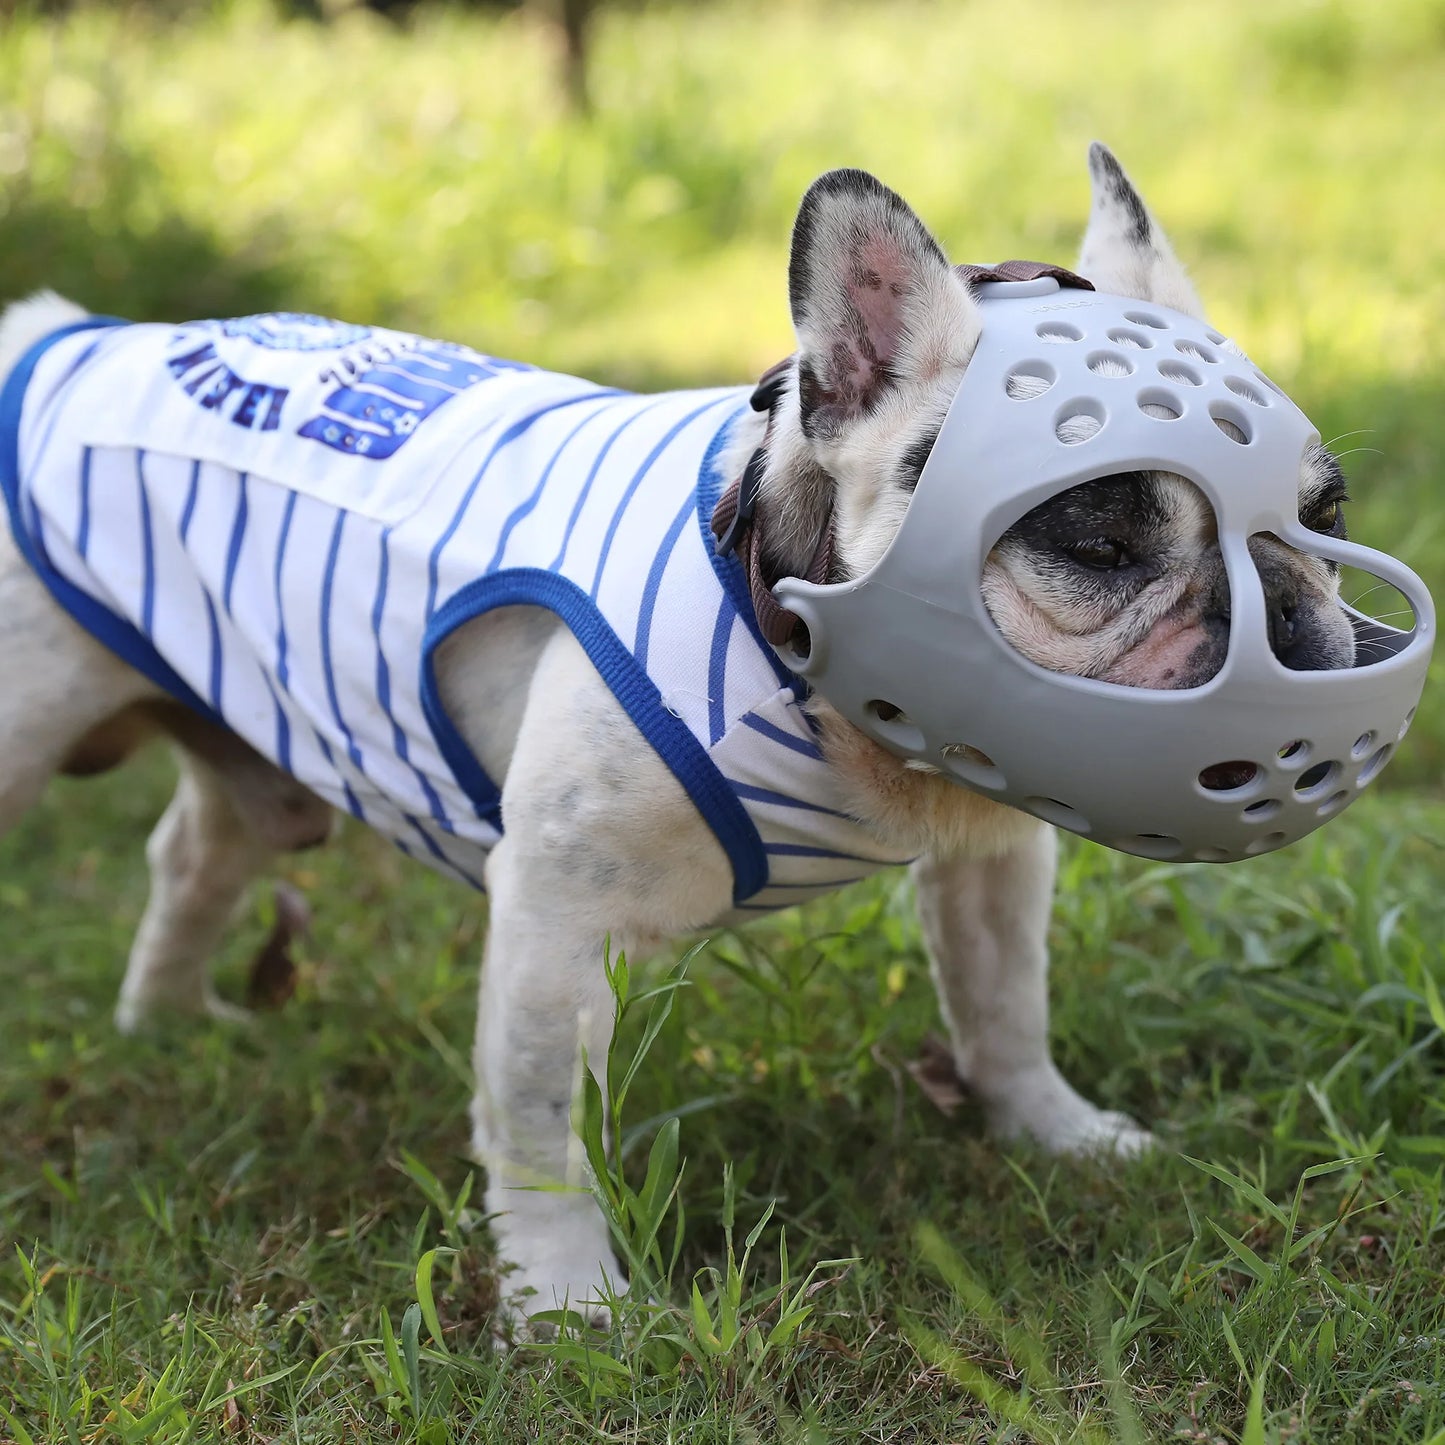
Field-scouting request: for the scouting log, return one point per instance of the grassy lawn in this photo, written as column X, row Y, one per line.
column 217, row 1233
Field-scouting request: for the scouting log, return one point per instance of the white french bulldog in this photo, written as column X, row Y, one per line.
column 656, row 774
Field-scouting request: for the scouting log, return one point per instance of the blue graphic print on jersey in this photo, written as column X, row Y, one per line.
column 290, row 331
column 385, row 391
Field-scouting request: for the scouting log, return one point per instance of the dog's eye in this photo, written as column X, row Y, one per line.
column 1327, row 519
column 1103, row 553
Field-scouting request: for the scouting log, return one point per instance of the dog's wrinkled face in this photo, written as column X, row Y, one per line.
column 1119, row 578
column 1122, row 579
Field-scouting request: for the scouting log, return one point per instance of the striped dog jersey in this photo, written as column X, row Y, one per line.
column 279, row 518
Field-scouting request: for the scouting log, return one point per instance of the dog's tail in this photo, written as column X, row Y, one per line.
column 25, row 322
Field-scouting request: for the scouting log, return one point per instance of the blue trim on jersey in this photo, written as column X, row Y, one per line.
column 729, row 569
column 127, row 642
column 669, row 736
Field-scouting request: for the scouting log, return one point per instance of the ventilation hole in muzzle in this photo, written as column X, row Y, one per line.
column 1126, row 336
column 1160, row 404
column 1147, row 318
column 972, row 765
column 1261, row 811
column 1405, row 726
column 1372, row 768
column 1177, row 371
column 1160, row 846
column 1077, row 421
column 1242, row 388
column 1267, row 844
column 1362, row 745
column 1232, row 422
column 1228, row 777
column 1029, row 379
column 799, row 646
column 1332, row 805
column 1210, row 854
column 1315, row 782
column 893, row 726
column 1110, row 363
column 1058, row 331
column 1061, row 815
column 1197, row 351
column 1295, row 754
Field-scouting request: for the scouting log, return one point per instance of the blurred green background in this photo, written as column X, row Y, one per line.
column 211, row 1206
column 429, row 173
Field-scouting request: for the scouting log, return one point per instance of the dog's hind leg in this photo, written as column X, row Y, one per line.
column 57, row 684
column 202, row 857
column 986, row 923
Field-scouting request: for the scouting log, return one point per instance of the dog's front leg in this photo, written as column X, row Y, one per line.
column 602, row 846
column 986, row 924
column 544, row 1000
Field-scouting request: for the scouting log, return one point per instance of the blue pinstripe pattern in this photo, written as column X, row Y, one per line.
column 328, row 581
column 283, row 723
column 517, row 429
column 82, row 533
column 586, row 488
column 654, row 581
column 633, row 485
column 478, row 504
column 787, row 740
column 525, row 509
column 148, row 551
column 238, row 535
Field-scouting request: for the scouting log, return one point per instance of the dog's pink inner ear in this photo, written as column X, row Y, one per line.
column 877, row 286
column 860, row 356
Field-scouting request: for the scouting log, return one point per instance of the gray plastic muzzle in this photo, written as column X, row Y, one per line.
column 1121, row 765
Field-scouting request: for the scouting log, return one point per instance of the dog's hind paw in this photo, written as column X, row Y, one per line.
column 133, row 1014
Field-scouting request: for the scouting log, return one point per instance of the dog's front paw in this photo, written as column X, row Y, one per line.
column 1040, row 1104
column 529, row 1297
column 558, row 1258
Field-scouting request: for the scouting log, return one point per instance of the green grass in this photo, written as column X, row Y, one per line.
column 209, row 1210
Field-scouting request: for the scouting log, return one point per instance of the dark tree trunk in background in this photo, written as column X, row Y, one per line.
column 576, row 17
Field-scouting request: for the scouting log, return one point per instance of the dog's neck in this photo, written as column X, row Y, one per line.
column 785, row 530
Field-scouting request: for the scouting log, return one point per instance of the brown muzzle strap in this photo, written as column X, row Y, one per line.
column 1022, row 271
column 775, row 622
column 735, row 522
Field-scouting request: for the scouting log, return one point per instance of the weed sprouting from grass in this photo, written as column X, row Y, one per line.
column 727, row 1324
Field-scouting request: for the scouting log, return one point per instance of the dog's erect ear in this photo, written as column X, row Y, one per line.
column 1124, row 250
column 875, row 302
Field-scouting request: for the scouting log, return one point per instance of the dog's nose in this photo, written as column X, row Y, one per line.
column 1282, row 626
